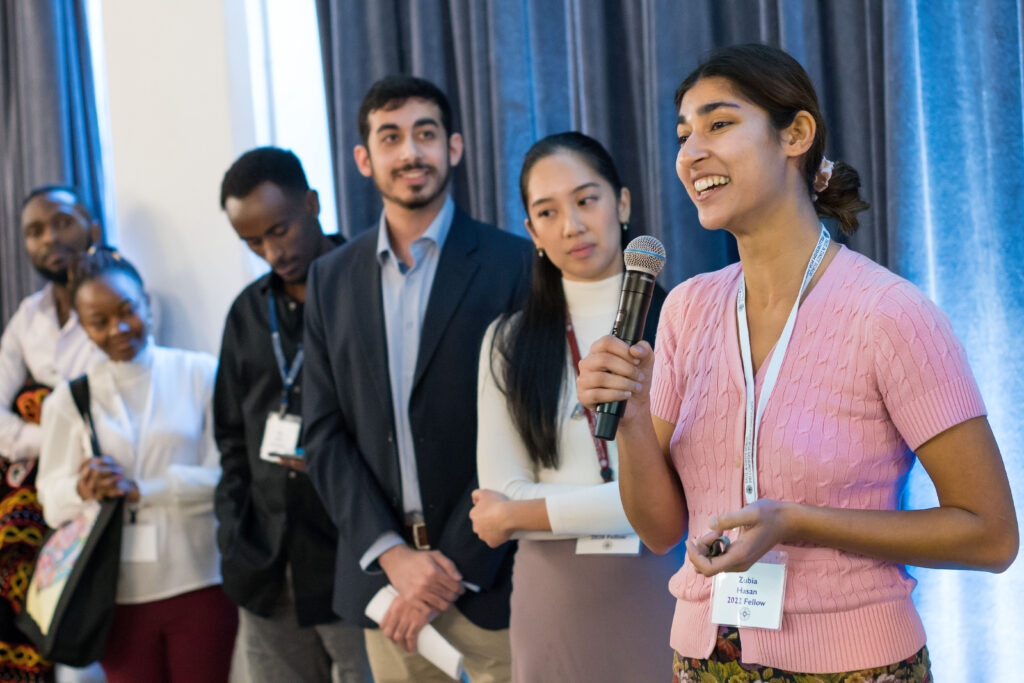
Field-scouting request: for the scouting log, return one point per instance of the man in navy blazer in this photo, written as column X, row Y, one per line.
column 394, row 322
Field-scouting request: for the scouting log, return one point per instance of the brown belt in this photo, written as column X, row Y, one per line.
column 416, row 534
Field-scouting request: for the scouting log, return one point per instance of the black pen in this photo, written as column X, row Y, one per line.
column 718, row 546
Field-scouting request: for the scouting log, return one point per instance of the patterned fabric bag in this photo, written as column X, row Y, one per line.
column 69, row 604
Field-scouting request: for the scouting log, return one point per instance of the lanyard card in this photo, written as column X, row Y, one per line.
column 751, row 599
column 613, row 544
column 138, row 543
column 281, row 438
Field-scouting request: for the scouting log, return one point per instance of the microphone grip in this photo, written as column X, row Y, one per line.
column 634, row 303
column 607, row 423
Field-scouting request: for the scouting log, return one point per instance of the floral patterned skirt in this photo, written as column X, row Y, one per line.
column 723, row 666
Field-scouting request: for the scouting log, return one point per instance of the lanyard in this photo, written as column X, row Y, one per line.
column 288, row 376
column 599, row 444
column 753, row 420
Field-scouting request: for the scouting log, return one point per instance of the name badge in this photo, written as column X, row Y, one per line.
column 614, row 544
column 138, row 543
column 281, row 438
column 751, row 599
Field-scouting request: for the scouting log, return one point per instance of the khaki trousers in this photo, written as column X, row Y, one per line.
column 486, row 654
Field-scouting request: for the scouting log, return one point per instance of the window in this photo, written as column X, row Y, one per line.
column 287, row 85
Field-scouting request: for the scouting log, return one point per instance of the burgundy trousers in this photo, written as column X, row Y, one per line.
column 187, row 638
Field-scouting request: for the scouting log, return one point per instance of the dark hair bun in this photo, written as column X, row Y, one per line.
column 99, row 260
column 775, row 82
column 841, row 200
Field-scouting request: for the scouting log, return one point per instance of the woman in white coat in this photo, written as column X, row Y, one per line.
column 151, row 408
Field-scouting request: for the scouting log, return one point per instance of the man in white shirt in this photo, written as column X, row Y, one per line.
column 43, row 342
column 42, row 345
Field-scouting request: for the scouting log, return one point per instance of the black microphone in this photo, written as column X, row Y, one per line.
column 644, row 257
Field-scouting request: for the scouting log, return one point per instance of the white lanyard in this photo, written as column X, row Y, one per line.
column 753, row 421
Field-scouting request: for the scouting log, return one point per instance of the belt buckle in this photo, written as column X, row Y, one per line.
column 419, row 535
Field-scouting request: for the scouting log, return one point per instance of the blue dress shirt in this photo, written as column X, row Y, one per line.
column 405, row 291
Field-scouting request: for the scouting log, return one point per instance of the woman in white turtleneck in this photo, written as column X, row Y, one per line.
column 585, row 593
column 151, row 408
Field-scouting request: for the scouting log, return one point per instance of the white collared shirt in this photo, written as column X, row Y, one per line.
column 35, row 345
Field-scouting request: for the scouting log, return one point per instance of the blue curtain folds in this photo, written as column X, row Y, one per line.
column 955, row 139
column 48, row 123
column 516, row 71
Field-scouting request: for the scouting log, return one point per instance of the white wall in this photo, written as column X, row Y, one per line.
column 178, row 116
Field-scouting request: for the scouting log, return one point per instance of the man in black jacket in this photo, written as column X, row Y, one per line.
column 394, row 323
column 276, row 539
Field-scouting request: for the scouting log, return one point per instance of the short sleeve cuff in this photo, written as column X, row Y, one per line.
column 665, row 401
column 938, row 410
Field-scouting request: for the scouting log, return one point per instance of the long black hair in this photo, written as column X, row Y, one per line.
column 531, row 342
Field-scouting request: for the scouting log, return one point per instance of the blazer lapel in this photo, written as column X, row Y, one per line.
column 455, row 272
column 364, row 286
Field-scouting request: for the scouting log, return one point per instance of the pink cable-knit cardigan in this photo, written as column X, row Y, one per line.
column 873, row 370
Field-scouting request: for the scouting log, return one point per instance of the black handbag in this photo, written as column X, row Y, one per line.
column 69, row 604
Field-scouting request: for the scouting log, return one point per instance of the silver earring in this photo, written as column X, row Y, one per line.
column 540, row 253
column 625, row 226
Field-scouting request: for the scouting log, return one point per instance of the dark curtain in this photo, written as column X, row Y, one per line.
column 516, row 71
column 47, row 120
column 923, row 97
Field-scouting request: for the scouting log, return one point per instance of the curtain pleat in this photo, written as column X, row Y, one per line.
column 48, row 122
column 516, row 71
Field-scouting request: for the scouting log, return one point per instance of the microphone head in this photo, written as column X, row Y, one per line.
column 644, row 253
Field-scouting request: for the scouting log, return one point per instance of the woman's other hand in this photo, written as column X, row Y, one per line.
column 762, row 525
column 490, row 517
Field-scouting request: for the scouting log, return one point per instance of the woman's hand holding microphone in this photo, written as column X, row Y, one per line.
column 614, row 371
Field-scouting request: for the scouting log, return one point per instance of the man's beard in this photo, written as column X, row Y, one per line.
column 419, row 202
column 57, row 277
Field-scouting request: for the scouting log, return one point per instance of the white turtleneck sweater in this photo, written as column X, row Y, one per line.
column 578, row 502
column 153, row 416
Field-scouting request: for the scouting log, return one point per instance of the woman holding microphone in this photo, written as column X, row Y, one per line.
column 784, row 406
column 586, row 595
